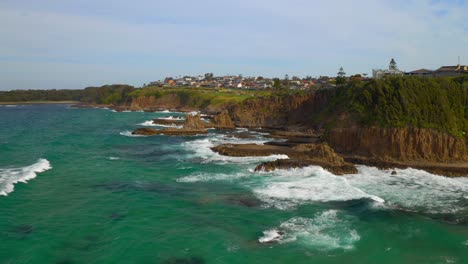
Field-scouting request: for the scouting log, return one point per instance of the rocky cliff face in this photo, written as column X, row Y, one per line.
column 277, row 112
column 403, row 144
column 223, row 120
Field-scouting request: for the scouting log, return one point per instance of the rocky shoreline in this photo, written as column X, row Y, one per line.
column 337, row 150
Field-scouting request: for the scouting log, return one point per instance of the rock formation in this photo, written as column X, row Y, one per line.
column 223, row 121
column 193, row 125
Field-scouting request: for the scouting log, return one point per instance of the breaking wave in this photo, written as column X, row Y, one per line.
column 325, row 231
column 9, row 177
column 201, row 149
column 284, row 189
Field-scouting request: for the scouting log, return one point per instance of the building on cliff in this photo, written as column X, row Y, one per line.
column 451, row 70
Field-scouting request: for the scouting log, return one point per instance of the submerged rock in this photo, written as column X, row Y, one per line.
column 190, row 260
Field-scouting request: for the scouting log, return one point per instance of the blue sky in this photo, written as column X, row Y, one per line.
column 73, row 44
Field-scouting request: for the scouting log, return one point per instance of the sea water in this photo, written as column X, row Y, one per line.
column 77, row 187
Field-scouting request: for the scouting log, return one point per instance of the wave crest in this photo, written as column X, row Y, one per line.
column 9, row 177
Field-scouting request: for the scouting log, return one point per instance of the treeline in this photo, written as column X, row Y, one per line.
column 439, row 103
column 107, row 94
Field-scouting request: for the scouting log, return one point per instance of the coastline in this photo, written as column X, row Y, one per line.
column 39, row 102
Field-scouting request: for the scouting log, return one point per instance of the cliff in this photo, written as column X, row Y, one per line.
column 279, row 112
column 402, row 144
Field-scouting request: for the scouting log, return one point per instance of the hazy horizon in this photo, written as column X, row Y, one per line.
column 54, row 44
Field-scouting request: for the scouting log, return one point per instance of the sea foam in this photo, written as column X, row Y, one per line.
column 327, row 230
column 413, row 189
column 284, row 189
column 201, row 148
column 9, row 177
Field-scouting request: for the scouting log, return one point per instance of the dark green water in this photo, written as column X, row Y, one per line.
column 112, row 198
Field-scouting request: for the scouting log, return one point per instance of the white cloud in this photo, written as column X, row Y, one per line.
column 150, row 38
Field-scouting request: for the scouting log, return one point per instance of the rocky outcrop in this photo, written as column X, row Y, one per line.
column 159, row 121
column 300, row 155
column 222, row 121
column 193, row 125
column 401, row 144
column 312, row 154
column 193, row 122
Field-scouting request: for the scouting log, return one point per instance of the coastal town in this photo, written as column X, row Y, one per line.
column 208, row 80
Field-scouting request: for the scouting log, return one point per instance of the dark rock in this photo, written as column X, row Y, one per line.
column 246, row 201
column 190, row 260
column 394, row 173
column 23, row 230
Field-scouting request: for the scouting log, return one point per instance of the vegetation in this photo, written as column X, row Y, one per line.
column 108, row 94
column 439, row 103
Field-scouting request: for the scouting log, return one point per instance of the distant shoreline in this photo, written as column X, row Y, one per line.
column 39, row 102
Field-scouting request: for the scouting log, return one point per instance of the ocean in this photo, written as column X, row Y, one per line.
column 77, row 187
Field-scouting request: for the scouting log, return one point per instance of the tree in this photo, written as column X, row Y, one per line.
column 276, row 83
column 208, row 76
column 393, row 65
column 340, row 79
column 341, row 72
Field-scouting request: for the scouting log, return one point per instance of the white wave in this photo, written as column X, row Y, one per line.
column 271, row 235
column 326, row 231
column 202, row 149
column 113, row 158
column 284, row 189
column 170, row 126
column 152, row 124
column 10, row 105
column 147, row 123
column 413, row 189
column 172, row 118
column 205, row 177
column 129, row 134
column 9, row 177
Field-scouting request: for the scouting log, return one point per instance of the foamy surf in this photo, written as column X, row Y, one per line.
column 9, row 177
column 201, row 148
column 413, row 189
column 325, row 231
column 284, row 189
column 128, row 133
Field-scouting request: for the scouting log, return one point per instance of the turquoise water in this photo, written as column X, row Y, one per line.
column 94, row 194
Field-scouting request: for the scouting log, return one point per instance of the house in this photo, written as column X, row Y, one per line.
column 421, row 73
column 451, row 70
column 379, row 74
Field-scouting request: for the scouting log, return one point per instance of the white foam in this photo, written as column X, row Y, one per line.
column 128, row 133
column 205, row 177
column 172, row 118
column 147, row 123
column 201, row 148
column 9, row 177
column 150, row 123
column 325, row 231
column 284, row 189
column 413, row 189
column 269, row 236
column 113, row 158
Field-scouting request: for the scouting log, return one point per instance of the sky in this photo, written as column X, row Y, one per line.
column 68, row 44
